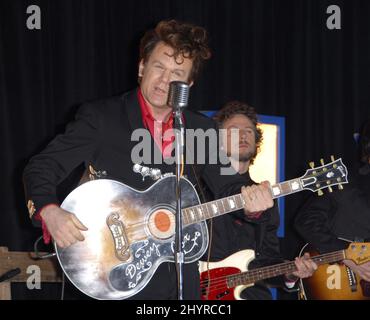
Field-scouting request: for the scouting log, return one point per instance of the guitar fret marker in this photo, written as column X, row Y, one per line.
column 231, row 203
column 191, row 214
column 214, row 208
column 294, row 185
column 276, row 191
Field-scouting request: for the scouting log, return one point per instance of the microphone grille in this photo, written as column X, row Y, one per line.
column 178, row 95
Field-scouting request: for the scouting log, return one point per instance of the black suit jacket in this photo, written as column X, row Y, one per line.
column 324, row 221
column 233, row 232
column 101, row 136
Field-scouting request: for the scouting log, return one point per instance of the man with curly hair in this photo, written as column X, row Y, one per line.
column 240, row 119
column 101, row 139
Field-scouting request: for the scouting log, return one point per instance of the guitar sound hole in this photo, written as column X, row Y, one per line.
column 161, row 224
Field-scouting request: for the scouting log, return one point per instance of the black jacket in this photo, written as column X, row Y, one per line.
column 344, row 214
column 101, row 136
column 234, row 232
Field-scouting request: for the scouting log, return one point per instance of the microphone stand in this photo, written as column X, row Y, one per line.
column 178, row 99
column 179, row 156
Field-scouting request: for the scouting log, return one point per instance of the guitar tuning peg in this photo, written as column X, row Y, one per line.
column 311, row 164
column 322, row 161
column 332, row 158
column 330, row 189
column 136, row 168
column 320, row 193
column 340, row 187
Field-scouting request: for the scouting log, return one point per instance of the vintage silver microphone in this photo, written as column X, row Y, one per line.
column 177, row 99
column 178, row 96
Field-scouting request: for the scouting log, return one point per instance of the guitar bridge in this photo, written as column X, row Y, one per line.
column 121, row 243
column 352, row 281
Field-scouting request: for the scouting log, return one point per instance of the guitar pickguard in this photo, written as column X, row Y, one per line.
column 149, row 254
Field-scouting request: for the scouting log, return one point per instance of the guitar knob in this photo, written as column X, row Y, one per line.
column 340, row 187
column 330, row 189
column 145, row 171
column 311, row 164
column 136, row 168
column 332, row 158
column 322, row 161
column 320, row 193
column 155, row 174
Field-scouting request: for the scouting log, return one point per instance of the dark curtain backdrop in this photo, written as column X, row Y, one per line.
column 277, row 55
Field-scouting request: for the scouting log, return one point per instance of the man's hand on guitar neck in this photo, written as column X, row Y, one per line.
column 305, row 268
column 63, row 226
column 257, row 198
column 362, row 270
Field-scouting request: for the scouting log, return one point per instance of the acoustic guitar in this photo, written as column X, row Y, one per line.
column 130, row 232
column 334, row 281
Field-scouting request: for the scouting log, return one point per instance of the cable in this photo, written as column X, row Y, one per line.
column 63, row 285
column 37, row 253
column 44, row 256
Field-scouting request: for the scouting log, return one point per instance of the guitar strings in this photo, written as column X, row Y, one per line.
column 185, row 217
column 206, row 215
column 218, row 283
column 268, row 269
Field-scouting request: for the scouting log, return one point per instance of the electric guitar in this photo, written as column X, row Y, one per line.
column 130, row 232
column 334, row 281
column 226, row 279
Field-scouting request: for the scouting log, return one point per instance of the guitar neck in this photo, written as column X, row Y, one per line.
column 252, row 276
column 229, row 204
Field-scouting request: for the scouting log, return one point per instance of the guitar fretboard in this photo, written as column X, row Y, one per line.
column 252, row 276
column 222, row 206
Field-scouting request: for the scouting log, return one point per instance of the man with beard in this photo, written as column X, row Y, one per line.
column 241, row 139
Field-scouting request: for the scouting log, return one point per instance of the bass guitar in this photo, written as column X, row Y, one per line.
column 226, row 279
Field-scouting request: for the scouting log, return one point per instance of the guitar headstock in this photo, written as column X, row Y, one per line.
column 325, row 176
column 358, row 252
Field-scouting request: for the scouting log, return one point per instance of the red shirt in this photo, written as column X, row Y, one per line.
column 161, row 132
column 45, row 232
